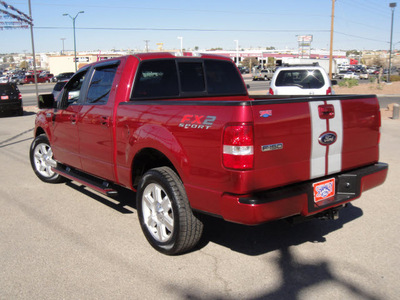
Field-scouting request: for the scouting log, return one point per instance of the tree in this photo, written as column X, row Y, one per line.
column 271, row 62
column 24, row 65
column 249, row 62
column 353, row 53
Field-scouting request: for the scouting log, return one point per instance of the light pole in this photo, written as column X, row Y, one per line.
column 392, row 6
column 237, row 52
column 73, row 25
column 63, row 39
column 181, row 38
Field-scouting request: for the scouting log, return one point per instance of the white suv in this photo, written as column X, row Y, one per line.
column 301, row 80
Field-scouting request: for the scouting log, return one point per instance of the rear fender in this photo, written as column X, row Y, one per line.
column 151, row 136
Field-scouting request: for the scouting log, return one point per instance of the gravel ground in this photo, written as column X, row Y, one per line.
column 371, row 88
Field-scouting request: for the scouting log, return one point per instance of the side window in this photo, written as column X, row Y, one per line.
column 156, row 79
column 101, row 84
column 72, row 89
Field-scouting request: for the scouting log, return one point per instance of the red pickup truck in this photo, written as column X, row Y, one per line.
column 185, row 135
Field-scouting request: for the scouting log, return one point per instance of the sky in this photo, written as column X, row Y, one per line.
column 206, row 24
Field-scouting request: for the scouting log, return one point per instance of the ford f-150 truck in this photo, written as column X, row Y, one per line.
column 184, row 134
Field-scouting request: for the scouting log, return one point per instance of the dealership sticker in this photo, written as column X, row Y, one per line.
column 324, row 189
column 265, row 113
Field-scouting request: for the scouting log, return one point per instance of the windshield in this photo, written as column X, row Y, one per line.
column 305, row 79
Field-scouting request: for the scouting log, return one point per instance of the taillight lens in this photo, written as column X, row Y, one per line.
column 19, row 96
column 238, row 147
column 271, row 91
column 329, row 91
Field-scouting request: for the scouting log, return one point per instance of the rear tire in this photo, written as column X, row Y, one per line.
column 165, row 214
column 41, row 157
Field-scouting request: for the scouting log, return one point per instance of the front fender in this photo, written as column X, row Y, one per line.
column 42, row 124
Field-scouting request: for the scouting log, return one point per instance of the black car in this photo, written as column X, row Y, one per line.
column 58, row 87
column 10, row 99
column 64, row 76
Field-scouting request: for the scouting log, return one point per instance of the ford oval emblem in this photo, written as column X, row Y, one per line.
column 327, row 138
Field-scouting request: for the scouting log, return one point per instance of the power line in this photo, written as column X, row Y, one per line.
column 186, row 29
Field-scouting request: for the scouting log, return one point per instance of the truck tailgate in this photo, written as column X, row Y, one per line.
column 304, row 138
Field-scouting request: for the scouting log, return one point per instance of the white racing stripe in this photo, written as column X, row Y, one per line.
column 335, row 150
column 324, row 159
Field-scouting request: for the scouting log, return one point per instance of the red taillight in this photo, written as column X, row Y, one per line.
column 329, row 91
column 326, row 111
column 19, row 96
column 271, row 91
column 238, row 147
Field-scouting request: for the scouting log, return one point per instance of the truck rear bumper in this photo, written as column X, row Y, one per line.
column 298, row 199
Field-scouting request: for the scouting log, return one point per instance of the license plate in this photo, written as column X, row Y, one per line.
column 4, row 97
column 324, row 189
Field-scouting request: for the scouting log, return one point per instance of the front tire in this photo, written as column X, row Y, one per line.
column 164, row 212
column 41, row 157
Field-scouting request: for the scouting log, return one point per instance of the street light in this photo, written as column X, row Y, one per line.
column 237, row 51
column 181, row 38
column 392, row 6
column 73, row 25
column 63, row 39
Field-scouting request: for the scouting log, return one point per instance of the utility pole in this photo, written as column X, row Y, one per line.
column 331, row 47
column 33, row 52
column 147, row 45
column 392, row 6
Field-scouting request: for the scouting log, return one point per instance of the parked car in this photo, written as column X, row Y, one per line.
column 340, row 75
column 244, row 70
column 10, row 98
column 351, row 75
column 47, row 77
column 265, row 74
column 58, row 87
column 3, row 79
column 364, row 75
column 40, row 79
column 64, row 76
column 301, row 80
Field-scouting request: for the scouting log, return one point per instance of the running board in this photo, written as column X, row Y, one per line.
column 87, row 180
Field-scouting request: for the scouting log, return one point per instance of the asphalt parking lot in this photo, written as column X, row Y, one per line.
column 64, row 241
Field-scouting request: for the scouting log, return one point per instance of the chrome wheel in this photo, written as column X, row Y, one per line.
column 164, row 212
column 43, row 159
column 157, row 212
column 42, row 162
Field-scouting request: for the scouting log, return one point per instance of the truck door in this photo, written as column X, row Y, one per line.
column 65, row 143
column 95, row 122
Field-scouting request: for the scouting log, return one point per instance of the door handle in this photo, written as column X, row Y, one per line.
column 105, row 121
column 73, row 119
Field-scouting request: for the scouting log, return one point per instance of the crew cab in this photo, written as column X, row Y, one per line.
column 185, row 135
column 40, row 79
